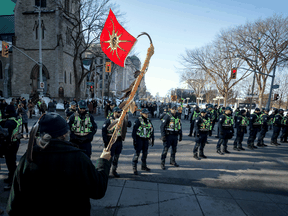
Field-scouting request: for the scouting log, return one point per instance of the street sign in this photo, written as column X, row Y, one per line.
column 41, row 85
column 90, row 83
column 275, row 86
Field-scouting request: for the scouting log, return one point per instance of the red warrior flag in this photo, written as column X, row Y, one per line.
column 115, row 41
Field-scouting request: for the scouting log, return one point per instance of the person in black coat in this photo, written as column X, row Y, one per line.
column 57, row 178
column 142, row 134
column 12, row 143
column 241, row 127
column 107, row 109
column 194, row 114
column 277, row 126
column 83, row 128
column 264, row 119
column 170, row 128
column 226, row 130
column 254, row 128
column 202, row 128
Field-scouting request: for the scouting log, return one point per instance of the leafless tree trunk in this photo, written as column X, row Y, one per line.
column 272, row 34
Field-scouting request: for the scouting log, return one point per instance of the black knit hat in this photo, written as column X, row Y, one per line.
column 53, row 124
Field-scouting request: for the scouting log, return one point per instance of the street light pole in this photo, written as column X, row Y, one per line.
column 40, row 48
column 271, row 88
column 256, row 60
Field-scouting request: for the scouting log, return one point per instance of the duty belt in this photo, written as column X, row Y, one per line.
column 81, row 134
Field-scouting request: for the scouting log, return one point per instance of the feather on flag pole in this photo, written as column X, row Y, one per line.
column 116, row 43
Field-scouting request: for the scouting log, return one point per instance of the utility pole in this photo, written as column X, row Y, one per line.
column 40, row 48
column 256, row 60
column 271, row 88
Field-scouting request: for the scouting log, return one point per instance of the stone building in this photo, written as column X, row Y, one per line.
column 119, row 79
column 57, row 51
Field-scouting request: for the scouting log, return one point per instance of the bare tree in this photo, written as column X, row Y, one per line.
column 270, row 35
column 87, row 18
column 216, row 61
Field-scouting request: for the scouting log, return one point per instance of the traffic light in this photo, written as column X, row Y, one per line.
column 5, row 49
column 233, row 73
column 91, row 88
column 108, row 67
column 276, row 97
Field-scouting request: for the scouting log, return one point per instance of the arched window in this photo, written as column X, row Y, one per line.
column 61, row 92
column 65, row 77
column 1, row 73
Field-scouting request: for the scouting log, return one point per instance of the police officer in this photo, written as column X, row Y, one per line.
column 226, row 130
column 221, row 111
column 284, row 130
column 254, row 127
column 142, row 134
column 194, row 114
column 170, row 129
column 116, row 148
column 277, row 125
column 211, row 114
column 264, row 119
column 13, row 124
column 71, row 110
column 83, row 128
column 241, row 126
column 202, row 128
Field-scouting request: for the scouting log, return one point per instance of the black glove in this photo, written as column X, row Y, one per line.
column 210, row 132
column 152, row 142
column 163, row 138
column 198, row 135
column 180, row 138
column 106, row 144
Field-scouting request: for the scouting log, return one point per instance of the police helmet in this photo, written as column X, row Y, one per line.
column 116, row 109
column 257, row 109
column 229, row 108
column 242, row 111
column 82, row 104
column 145, row 111
column 203, row 111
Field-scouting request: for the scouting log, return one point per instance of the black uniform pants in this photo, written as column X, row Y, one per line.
column 262, row 135
column 276, row 132
column 200, row 142
column 171, row 140
column 141, row 145
column 239, row 137
column 191, row 127
column 284, row 133
column 10, row 158
column 252, row 135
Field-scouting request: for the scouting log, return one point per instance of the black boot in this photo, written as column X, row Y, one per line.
column 282, row 140
column 114, row 165
column 135, row 171
column 250, row 146
column 163, row 165
column 219, row 152
column 144, row 167
column 195, row 155
column 201, row 154
column 235, row 148
column 225, row 150
column 173, row 162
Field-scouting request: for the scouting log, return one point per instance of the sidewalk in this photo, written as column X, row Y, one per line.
column 126, row 197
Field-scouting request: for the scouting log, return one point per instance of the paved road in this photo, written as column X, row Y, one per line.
column 261, row 170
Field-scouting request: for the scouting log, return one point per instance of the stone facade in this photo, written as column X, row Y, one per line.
column 121, row 78
column 57, row 51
